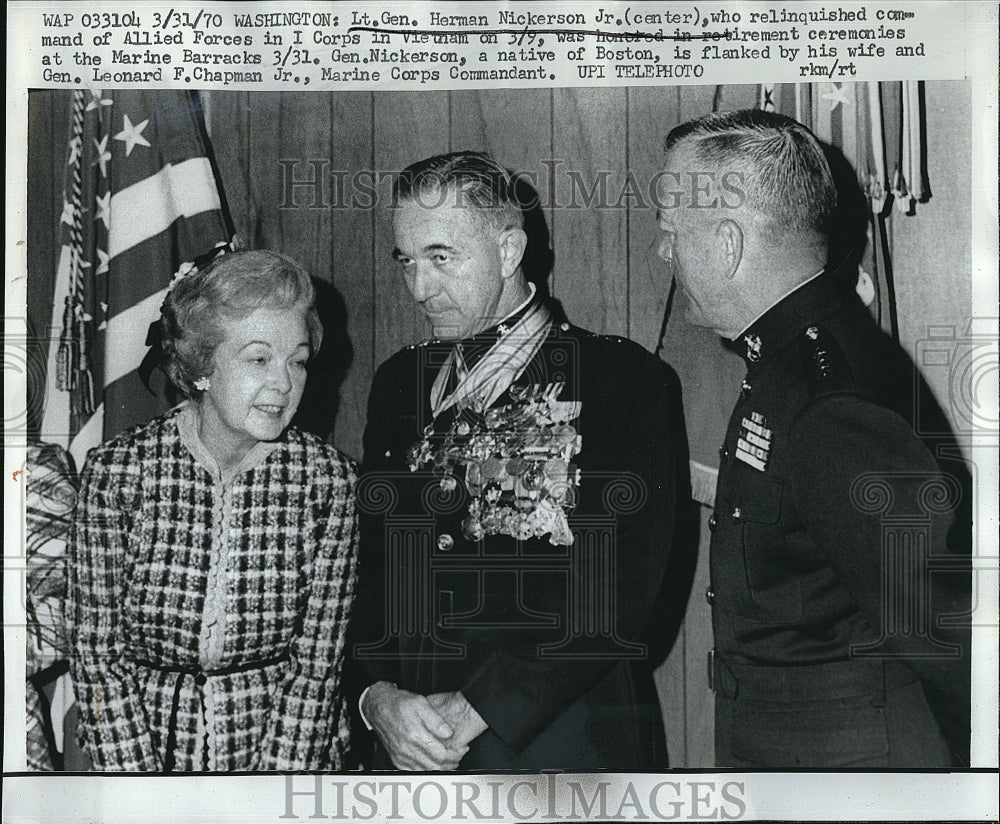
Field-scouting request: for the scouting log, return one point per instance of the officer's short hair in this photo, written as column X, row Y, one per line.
column 463, row 180
column 785, row 175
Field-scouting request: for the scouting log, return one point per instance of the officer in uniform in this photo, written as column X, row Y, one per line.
column 518, row 493
column 839, row 568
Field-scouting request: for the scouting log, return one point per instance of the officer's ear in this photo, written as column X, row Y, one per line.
column 512, row 242
column 730, row 237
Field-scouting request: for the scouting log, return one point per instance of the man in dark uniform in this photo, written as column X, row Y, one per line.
column 518, row 494
column 839, row 583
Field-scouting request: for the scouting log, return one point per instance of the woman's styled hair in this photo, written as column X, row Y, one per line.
column 231, row 287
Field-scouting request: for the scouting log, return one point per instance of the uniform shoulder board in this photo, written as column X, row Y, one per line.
column 823, row 362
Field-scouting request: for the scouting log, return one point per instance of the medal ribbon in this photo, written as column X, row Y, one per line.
column 503, row 364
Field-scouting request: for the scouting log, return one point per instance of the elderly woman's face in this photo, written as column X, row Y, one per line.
column 257, row 382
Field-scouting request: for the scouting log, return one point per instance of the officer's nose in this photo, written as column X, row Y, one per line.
column 422, row 283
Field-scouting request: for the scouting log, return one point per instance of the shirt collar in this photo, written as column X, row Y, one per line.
column 525, row 303
column 809, row 302
column 775, row 303
column 492, row 334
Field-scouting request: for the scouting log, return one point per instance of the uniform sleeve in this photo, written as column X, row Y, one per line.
column 114, row 724
column 308, row 728
column 632, row 477
column 862, row 473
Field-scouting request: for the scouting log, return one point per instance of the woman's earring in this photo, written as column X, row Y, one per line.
column 202, row 384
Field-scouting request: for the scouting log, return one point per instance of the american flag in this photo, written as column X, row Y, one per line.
column 880, row 128
column 141, row 198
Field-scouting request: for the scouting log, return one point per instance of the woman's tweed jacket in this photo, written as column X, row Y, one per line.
column 165, row 553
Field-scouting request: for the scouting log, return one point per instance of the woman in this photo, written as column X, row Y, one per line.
column 214, row 548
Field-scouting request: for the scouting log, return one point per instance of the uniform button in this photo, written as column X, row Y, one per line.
column 445, row 542
column 710, row 596
column 711, row 524
column 745, row 388
column 723, row 454
column 737, row 513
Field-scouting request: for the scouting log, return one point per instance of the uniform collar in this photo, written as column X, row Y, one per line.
column 810, row 302
column 493, row 333
column 475, row 346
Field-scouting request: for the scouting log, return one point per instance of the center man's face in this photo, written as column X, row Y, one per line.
column 688, row 244
column 451, row 263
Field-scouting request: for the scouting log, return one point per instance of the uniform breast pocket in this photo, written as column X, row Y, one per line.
column 771, row 570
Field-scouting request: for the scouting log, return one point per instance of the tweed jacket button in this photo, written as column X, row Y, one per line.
column 445, row 542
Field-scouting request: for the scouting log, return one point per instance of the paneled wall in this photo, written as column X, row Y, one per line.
column 606, row 273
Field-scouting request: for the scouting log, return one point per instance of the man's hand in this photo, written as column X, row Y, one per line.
column 413, row 733
column 460, row 715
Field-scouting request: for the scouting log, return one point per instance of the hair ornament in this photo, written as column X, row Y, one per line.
column 186, row 269
column 190, row 267
column 154, row 335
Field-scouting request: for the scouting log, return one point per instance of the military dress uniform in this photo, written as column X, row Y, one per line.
column 542, row 638
column 837, row 544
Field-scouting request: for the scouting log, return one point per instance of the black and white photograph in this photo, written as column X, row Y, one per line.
column 480, row 436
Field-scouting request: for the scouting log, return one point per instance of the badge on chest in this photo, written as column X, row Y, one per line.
column 754, row 444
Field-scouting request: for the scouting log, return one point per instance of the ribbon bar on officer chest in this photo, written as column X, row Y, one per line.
column 754, row 444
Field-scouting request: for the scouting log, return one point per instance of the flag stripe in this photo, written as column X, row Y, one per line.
column 130, row 280
column 129, row 329
column 89, row 436
column 822, row 113
column 141, row 200
column 849, row 125
column 184, row 190
column 55, row 415
column 911, row 123
column 881, row 187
